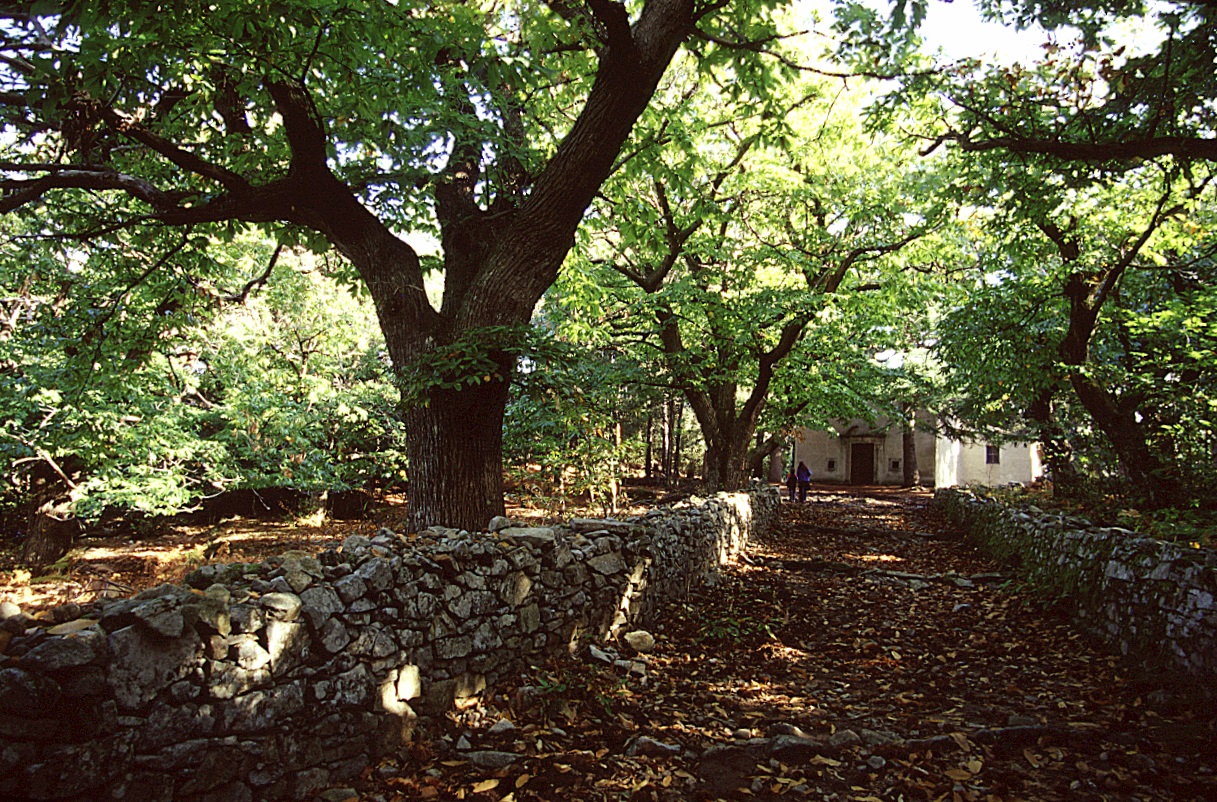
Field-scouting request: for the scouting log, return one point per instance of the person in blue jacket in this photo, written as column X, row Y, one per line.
column 803, row 475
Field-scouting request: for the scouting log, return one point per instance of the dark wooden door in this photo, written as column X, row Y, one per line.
column 862, row 464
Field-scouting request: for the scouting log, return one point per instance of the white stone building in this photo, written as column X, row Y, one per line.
column 856, row 453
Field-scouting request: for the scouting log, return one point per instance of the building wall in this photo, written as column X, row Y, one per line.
column 829, row 453
column 965, row 463
column 943, row 462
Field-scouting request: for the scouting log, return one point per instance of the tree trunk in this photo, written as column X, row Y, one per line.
column 455, row 448
column 51, row 525
column 647, row 472
column 1057, row 451
column 678, row 436
column 912, row 472
column 1146, row 475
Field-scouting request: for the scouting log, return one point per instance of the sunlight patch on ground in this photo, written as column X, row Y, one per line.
column 874, row 558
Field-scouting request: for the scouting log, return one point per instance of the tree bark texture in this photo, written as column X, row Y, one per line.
column 912, row 471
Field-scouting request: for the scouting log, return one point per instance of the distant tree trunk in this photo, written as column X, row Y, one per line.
column 678, row 439
column 649, row 455
column 614, row 483
column 668, row 442
column 912, row 472
column 1058, row 453
column 50, row 525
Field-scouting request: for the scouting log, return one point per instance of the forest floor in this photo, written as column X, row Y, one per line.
column 861, row 651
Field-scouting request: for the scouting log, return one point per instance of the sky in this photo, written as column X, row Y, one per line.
column 958, row 30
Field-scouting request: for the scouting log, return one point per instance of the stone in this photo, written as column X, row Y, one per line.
column 246, row 618
column 162, row 616
column 515, row 588
column 339, row 795
column 282, row 607
column 537, row 536
column 376, row 573
column 530, row 618
column 297, row 580
column 318, row 604
column 498, row 523
column 57, row 653
column 589, row 525
column 251, row 656
column 844, row 739
column 287, row 644
column 649, row 747
column 213, row 574
column 333, row 636
column 350, row 588
column 409, row 682
column 877, row 737
column 640, row 641
column 448, row 648
column 8, row 609
column 280, row 585
column 794, row 748
column 600, row 655
column 27, row 694
column 501, row 726
column 144, row 663
column 490, row 759
column 607, row 564
column 228, row 680
column 211, row 612
column 354, row 687
column 262, row 710
column 473, row 603
column 786, row 728
column 876, row 762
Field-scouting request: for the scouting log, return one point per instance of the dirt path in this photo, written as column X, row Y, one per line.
column 860, row 652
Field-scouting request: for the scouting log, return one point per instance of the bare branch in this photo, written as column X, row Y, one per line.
column 239, row 297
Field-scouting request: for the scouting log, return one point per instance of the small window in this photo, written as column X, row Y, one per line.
column 832, row 465
column 992, row 455
column 895, row 466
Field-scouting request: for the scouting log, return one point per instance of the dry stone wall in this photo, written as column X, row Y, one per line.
column 272, row 680
column 1152, row 600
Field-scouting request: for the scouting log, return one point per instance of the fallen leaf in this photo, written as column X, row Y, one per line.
column 485, row 785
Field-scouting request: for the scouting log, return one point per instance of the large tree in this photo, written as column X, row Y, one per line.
column 135, row 127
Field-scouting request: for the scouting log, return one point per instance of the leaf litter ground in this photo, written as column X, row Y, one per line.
column 860, row 651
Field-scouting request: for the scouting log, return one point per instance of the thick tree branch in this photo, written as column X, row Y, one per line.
column 1178, row 146
column 20, row 192
column 173, row 153
column 616, row 22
